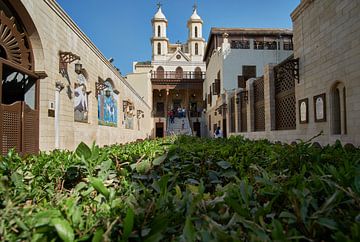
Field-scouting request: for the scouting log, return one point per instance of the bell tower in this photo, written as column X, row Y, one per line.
column 195, row 40
column 159, row 41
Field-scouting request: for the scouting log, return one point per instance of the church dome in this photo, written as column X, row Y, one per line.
column 195, row 16
column 159, row 15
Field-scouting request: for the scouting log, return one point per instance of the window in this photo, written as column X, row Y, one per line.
column 158, row 31
column 196, row 31
column 81, row 100
column 159, row 48
column 107, row 105
column 179, row 72
column 248, row 72
column 160, row 72
column 196, row 48
column 198, row 74
column 338, row 109
column 209, row 122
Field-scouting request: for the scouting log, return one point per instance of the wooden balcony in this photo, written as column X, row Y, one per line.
column 172, row 77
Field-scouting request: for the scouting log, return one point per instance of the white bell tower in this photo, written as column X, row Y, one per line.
column 195, row 41
column 159, row 41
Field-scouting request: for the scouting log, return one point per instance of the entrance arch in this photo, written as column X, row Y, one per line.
column 19, row 88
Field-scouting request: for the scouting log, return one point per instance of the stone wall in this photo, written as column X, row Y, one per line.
column 327, row 43
column 55, row 32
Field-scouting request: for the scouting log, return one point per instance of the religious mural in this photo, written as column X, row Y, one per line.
column 81, row 100
column 107, row 106
column 128, row 109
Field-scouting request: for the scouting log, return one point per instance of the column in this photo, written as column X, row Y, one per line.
column 58, row 87
column 269, row 97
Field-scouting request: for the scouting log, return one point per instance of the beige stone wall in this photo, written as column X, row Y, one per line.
column 327, row 43
column 57, row 32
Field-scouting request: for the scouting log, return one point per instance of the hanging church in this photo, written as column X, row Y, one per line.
column 59, row 90
column 177, row 76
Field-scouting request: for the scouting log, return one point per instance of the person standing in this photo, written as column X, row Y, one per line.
column 218, row 133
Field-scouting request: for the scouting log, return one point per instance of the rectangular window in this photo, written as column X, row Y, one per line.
column 210, row 123
column 248, row 72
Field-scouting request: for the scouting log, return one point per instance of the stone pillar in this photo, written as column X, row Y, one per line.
column 58, row 87
column 269, row 97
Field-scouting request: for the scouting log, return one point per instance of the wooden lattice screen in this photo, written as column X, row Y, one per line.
column 286, row 73
column 243, row 101
column 30, row 130
column 11, row 127
column 259, row 108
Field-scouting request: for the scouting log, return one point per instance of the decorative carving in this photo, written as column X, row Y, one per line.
column 15, row 44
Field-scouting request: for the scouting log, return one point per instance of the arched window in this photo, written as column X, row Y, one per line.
column 196, row 48
column 198, row 74
column 107, row 105
column 81, row 107
column 159, row 48
column 179, row 72
column 338, row 109
column 159, row 31
column 196, row 31
column 160, row 72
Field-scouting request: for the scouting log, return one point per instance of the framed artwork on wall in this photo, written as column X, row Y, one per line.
column 320, row 108
column 304, row 111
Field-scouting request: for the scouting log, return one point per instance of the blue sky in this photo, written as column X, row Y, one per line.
column 122, row 28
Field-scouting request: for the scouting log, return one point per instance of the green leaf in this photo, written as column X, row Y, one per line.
column 143, row 167
column 128, row 224
column 99, row 186
column 329, row 223
column 159, row 160
column 189, row 231
column 98, row 235
column 277, row 231
column 63, row 229
column 224, row 164
column 83, row 150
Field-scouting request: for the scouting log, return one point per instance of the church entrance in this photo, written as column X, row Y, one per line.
column 19, row 86
column 176, row 103
column 19, row 113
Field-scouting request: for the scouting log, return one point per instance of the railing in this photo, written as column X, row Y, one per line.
column 188, row 75
column 159, row 114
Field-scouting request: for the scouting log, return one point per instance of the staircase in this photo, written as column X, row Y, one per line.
column 176, row 127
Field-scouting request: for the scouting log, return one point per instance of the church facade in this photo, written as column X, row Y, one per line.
column 174, row 77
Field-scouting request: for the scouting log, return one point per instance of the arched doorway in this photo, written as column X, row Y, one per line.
column 338, row 109
column 19, row 88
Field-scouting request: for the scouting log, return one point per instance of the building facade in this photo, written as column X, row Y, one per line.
column 314, row 94
column 234, row 55
column 57, row 88
column 177, row 72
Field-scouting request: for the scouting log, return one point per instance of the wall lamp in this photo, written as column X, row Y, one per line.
column 67, row 58
column 78, row 67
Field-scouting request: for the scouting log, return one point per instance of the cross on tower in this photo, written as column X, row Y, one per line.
column 159, row 5
column 195, row 6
